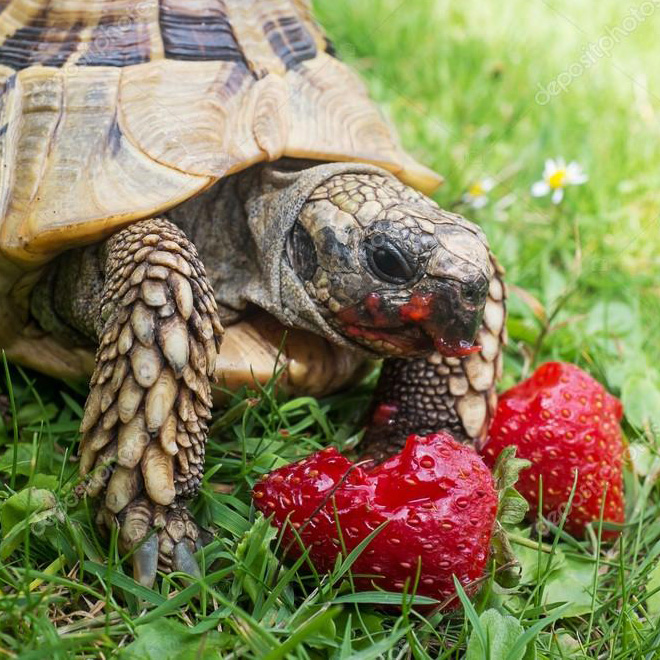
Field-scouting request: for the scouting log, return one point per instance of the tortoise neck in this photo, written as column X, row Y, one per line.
column 241, row 227
column 66, row 300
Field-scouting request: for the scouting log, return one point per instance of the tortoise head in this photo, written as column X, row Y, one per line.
column 388, row 269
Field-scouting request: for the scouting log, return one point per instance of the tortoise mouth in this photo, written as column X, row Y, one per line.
column 402, row 341
column 408, row 341
column 427, row 322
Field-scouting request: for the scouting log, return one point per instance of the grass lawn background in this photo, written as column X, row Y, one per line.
column 464, row 84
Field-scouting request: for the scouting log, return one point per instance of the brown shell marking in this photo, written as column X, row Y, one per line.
column 122, row 37
column 290, row 41
column 198, row 31
column 32, row 36
column 138, row 106
column 64, row 33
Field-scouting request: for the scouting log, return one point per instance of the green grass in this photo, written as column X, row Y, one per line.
column 459, row 80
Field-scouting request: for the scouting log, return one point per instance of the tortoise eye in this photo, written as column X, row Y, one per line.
column 388, row 262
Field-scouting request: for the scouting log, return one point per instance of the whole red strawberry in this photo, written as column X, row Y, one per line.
column 437, row 497
column 564, row 421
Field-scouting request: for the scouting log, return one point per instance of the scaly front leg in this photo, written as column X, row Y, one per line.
column 145, row 423
column 439, row 393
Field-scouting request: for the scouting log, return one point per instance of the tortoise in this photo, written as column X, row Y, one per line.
column 183, row 185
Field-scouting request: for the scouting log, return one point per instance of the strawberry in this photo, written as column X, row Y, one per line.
column 564, row 421
column 437, row 498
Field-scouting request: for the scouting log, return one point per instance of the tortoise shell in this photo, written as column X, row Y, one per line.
column 112, row 111
column 116, row 110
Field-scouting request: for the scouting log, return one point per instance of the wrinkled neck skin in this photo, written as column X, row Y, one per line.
column 241, row 227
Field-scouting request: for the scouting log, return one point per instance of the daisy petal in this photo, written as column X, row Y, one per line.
column 557, row 196
column 540, row 188
column 488, row 184
column 479, row 202
column 575, row 174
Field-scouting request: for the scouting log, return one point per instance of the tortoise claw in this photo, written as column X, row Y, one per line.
column 159, row 537
column 145, row 562
column 184, row 559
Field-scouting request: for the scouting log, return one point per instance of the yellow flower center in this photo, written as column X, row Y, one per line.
column 557, row 179
column 476, row 190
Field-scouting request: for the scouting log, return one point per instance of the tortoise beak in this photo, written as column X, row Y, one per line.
column 457, row 312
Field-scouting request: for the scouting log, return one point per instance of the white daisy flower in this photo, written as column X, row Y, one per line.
column 477, row 194
column 556, row 176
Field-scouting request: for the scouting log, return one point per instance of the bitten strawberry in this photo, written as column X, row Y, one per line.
column 437, row 498
column 562, row 420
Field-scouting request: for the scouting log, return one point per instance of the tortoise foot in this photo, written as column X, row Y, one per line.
column 157, row 538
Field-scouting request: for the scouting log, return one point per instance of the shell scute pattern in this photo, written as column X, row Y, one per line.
column 134, row 106
column 102, row 33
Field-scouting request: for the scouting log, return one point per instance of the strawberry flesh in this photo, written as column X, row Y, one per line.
column 437, row 498
column 562, row 420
